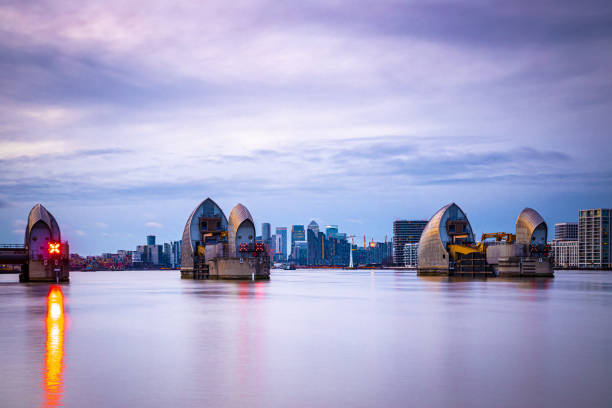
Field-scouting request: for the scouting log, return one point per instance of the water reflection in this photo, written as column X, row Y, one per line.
column 319, row 337
column 54, row 354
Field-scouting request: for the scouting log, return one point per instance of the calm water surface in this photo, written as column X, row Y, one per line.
column 308, row 338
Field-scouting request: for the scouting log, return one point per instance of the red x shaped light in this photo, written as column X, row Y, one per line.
column 54, row 248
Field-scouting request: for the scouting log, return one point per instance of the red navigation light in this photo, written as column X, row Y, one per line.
column 54, row 248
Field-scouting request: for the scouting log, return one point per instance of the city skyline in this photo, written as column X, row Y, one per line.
column 352, row 112
column 134, row 240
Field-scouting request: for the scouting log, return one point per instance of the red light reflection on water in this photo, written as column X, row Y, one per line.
column 244, row 290
column 260, row 290
column 255, row 289
column 53, row 384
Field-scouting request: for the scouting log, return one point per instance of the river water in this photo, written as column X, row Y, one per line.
column 307, row 338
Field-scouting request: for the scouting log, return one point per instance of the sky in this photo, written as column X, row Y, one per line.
column 120, row 117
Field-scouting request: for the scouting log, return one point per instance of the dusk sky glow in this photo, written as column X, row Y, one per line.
column 120, row 117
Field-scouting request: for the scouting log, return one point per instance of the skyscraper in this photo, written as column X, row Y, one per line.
column 166, row 259
column 281, row 241
column 314, row 227
column 297, row 234
column 272, row 248
column 150, row 239
column 299, row 254
column 154, row 254
column 175, row 259
column 405, row 232
column 265, row 232
column 594, row 238
column 315, row 243
column 331, row 231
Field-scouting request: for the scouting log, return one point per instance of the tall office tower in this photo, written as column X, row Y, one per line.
column 278, row 248
column 175, row 260
column 388, row 253
column 272, row 248
column 315, row 245
column 154, row 254
column 566, row 231
column 314, row 227
column 335, row 251
column 299, row 254
column 281, row 240
column 167, row 255
column 150, row 239
column 297, row 234
column 265, row 232
column 594, row 238
column 331, row 231
column 405, row 232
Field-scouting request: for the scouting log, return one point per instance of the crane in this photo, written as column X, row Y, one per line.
column 499, row 236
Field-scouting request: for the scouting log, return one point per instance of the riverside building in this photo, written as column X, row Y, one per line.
column 594, row 238
column 566, row 231
column 405, row 232
column 265, row 232
column 281, row 244
column 297, row 234
column 565, row 245
column 411, row 255
column 299, row 254
column 565, row 253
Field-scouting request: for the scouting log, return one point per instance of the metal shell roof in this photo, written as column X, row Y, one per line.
column 526, row 223
column 432, row 251
column 187, row 242
column 238, row 215
column 40, row 214
column 431, row 248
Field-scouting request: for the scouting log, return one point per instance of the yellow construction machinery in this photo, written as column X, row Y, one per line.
column 455, row 249
column 464, row 249
column 499, row 236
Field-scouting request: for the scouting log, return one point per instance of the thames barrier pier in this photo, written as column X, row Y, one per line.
column 43, row 256
column 215, row 248
column 447, row 247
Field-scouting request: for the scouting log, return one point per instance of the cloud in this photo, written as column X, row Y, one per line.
column 153, row 224
column 101, row 225
column 20, row 223
column 80, row 233
column 339, row 167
